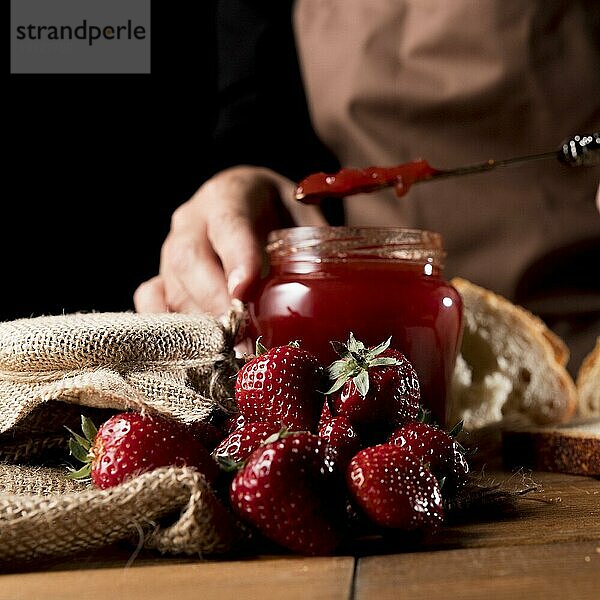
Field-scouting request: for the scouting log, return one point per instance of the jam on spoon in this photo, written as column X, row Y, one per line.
column 355, row 181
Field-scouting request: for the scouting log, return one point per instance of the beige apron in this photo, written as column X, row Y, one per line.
column 458, row 82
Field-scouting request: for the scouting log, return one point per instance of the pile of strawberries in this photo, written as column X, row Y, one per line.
column 314, row 454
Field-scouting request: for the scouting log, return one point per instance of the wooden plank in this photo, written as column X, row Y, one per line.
column 118, row 556
column 546, row 571
column 327, row 578
column 565, row 509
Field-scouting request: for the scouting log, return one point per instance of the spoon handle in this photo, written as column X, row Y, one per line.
column 576, row 151
column 581, row 150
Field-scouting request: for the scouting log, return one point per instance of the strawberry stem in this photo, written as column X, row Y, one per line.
column 424, row 415
column 260, row 348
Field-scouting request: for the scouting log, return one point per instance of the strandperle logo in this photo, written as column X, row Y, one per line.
column 90, row 33
column 80, row 36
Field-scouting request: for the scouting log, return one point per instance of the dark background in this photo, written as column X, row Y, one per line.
column 95, row 166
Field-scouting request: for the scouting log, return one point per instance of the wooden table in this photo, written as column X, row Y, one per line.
column 549, row 548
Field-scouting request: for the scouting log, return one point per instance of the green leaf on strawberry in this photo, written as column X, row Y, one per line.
column 456, row 429
column 88, row 428
column 80, row 448
column 355, row 362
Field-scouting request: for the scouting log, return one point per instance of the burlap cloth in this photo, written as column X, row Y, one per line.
column 53, row 369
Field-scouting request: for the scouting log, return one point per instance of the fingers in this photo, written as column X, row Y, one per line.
column 239, row 250
column 237, row 229
column 149, row 297
column 192, row 273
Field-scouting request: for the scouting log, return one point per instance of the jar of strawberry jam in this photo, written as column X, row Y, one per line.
column 325, row 282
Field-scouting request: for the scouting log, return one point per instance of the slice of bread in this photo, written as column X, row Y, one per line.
column 571, row 448
column 564, row 449
column 511, row 368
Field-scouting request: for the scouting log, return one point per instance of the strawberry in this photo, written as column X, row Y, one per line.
column 339, row 432
column 239, row 444
column 373, row 386
column 437, row 449
column 281, row 386
column 394, row 489
column 128, row 444
column 291, row 491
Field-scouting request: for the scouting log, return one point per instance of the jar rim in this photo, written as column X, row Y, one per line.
column 362, row 242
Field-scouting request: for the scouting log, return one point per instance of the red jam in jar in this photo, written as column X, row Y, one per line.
column 325, row 282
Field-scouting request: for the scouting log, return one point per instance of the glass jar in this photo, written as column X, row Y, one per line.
column 377, row 282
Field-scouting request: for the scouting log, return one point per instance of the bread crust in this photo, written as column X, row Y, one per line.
column 588, row 384
column 589, row 363
column 528, row 319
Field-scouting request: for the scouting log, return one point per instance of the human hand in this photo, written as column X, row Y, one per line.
column 214, row 249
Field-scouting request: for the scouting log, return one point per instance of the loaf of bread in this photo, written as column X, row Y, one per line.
column 511, row 367
column 514, row 394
